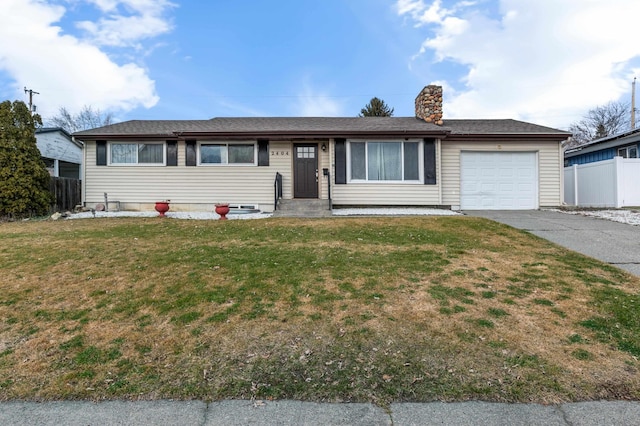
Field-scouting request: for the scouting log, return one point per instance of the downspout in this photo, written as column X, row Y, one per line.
column 439, row 169
column 82, row 170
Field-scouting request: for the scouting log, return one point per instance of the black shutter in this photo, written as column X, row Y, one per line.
column 263, row 152
column 101, row 153
column 172, row 153
column 190, row 153
column 429, row 161
column 341, row 161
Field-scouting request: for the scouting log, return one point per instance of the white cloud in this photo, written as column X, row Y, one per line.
column 65, row 70
column 312, row 103
column 540, row 60
column 127, row 22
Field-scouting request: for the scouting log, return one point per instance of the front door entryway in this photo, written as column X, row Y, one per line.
column 305, row 171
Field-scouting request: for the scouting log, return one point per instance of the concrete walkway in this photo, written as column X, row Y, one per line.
column 231, row 413
column 615, row 243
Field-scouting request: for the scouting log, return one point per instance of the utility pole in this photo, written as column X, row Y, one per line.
column 633, row 104
column 32, row 107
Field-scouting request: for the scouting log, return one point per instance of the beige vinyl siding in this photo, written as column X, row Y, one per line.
column 324, row 163
column 188, row 188
column 390, row 194
column 549, row 170
column 386, row 194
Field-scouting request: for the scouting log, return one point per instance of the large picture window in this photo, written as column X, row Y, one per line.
column 137, row 153
column 228, row 153
column 385, row 161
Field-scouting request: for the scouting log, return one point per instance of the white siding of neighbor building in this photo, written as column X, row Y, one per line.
column 389, row 194
column 189, row 188
column 58, row 146
column 549, row 168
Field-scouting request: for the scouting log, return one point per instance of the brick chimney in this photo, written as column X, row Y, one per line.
column 429, row 104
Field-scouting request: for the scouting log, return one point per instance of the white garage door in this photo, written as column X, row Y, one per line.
column 498, row 181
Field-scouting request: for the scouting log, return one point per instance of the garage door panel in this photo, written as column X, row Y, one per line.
column 507, row 173
column 526, row 187
column 528, row 172
column 498, row 180
column 487, row 188
column 506, row 187
column 506, row 203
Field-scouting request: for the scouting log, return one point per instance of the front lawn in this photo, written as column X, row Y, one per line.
column 348, row 309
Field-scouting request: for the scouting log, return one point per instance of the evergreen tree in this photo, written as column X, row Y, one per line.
column 376, row 108
column 24, row 180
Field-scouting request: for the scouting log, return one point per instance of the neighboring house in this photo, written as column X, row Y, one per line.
column 359, row 161
column 604, row 172
column 61, row 154
column 623, row 145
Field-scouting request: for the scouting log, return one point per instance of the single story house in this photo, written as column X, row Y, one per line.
column 352, row 161
column 625, row 145
column 61, row 153
column 604, row 172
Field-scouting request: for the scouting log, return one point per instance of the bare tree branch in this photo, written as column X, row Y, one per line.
column 87, row 118
column 600, row 122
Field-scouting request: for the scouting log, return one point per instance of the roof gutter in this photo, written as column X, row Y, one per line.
column 508, row 137
column 267, row 134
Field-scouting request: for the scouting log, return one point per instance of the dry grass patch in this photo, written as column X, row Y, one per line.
column 351, row 309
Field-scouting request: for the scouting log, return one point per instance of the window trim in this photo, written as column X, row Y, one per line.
column 627, row 148
column 419, row 181
column 137, row 164
column 227, row 143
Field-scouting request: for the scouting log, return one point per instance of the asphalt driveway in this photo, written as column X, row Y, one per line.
column 615, row 243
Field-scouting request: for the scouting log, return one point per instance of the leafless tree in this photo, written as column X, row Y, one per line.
column 87, row 118
column 600, row 122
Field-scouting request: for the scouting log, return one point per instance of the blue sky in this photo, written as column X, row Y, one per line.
column 545, row 61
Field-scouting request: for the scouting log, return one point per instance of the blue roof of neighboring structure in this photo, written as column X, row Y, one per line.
column 609, row 142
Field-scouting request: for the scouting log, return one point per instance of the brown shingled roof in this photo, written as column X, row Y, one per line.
column 314, row 127
column 498, row 126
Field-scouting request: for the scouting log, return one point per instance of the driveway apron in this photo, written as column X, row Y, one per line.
column 615, row 243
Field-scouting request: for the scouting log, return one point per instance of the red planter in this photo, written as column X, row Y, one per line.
column 222, row 209
column 162, row 207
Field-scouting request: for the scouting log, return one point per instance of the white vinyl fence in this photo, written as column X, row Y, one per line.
column 610, row 183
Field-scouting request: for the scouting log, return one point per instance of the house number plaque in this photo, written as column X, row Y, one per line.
column 279, row 153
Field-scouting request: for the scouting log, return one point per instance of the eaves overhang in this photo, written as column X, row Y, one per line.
column 272, row 135
column 485, row 137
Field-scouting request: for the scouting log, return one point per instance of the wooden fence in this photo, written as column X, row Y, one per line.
column 67, row 193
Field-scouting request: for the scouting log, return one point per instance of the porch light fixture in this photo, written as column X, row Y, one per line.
column 324, row 147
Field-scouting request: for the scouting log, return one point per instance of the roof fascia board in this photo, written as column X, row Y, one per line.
column 516, row 137
column 603, row 145
column 270, row 135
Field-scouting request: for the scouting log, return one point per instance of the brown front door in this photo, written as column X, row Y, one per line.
column 305, row 171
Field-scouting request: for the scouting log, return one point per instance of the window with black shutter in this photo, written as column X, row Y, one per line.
column 263, row 152
column 172, row 153
column 101, row 153
column 191, row 157
column 429, row 162
column 341, row 161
